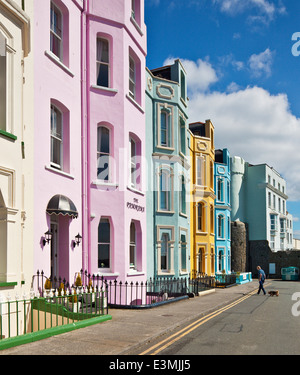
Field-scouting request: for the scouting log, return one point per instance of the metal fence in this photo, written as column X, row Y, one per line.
column 20, row 316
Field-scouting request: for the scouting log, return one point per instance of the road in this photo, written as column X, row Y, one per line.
column 254, row 324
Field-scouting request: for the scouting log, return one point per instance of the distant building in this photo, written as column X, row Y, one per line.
column 202, row 198
column 222, row 211
column 168, row 237
column 258, row 197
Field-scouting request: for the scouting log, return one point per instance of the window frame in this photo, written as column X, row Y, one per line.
column 105, row 219
column 53, row 33
column 102, row 153
column 99, row 63
column 53, row 137
column 168, row 112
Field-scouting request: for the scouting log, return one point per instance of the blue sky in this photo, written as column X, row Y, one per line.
column 242, row 74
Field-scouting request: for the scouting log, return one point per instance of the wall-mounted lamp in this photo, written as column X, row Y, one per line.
column 48, row 237
column 77, row 240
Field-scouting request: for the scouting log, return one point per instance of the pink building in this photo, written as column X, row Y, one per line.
column 57, row 123
column 90, row 138
column 114, row 238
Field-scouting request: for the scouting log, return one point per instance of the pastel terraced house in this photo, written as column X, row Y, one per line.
column 202, row 198
column 222, row 211
column 114, row 200
column 16, row 149
column 167, row 156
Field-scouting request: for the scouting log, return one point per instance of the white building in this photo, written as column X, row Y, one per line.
column 16, row 149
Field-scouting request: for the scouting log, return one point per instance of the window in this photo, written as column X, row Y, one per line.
column 182, row 85
column 133, row 9
column 165, row 125
column 132, row 78
column 200, row 217
column 104, row 240
column 182, row 136
column 273, row 222
column 200, row 170
column 56, row 31
column 133, row 164
column 183, row 252
column 56, row 138
column 3, row 79
column 103, row 68
column 269, row 199
column 103, row 153
column 182, row 195
column 132, row 246
column 220, row 189
column 164, row 191
column 164, row 256
column 136, row 11
column 220, row 222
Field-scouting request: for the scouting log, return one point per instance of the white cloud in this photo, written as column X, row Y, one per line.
column 201, row 74
column 265, row 10
column 250, row 122
column 261, row 63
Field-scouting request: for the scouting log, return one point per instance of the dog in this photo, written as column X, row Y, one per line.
column 274, row 293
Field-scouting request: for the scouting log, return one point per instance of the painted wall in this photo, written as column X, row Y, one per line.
column 168, row 155
column 111, row 106
column 57, row 81
column 222, row 211
column 202, row 236
column 16, row 145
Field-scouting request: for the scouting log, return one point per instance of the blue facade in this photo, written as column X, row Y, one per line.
column 168, row 185
column 222, row 180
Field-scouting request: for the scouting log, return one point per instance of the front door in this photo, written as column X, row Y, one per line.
column 54, row 250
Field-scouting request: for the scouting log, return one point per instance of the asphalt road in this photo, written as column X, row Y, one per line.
column 253, row 325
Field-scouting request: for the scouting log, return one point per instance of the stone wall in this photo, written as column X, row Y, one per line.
column 239, row 246
column 260, row 254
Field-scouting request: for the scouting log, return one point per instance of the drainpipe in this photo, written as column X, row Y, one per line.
column 84, row 167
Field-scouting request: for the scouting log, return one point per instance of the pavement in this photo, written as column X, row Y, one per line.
column 129, row 329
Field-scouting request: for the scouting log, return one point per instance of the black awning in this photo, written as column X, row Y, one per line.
column 61, row 205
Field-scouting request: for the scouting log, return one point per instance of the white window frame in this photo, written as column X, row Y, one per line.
column 132, row 78
column 53, row 33
column 168, row 111
column 101, row 153
column 54, row 137
column 99, row 63
column 105, row 243
column 200, row 170
column 132, row 247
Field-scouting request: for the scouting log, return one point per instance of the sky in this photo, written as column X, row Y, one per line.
column 242, row 59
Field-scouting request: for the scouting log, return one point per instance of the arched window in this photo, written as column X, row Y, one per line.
column 103, row 153
column 60, row 137
column 104, row 243
column 103, row 63
column 132, row 246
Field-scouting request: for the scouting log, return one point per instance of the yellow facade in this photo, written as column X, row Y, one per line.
column 202, row 197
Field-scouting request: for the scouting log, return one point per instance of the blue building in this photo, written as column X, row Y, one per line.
column 222, row 177
column 167, row 160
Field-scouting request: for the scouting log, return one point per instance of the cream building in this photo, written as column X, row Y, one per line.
column 16, row 149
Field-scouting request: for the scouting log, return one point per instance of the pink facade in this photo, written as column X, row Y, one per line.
column 57, row 118
column 116, row 50
column 89, row 118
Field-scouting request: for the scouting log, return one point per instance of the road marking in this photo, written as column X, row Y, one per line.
column 183, row 332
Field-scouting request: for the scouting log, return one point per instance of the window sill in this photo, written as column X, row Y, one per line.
column 135, row 103
column 135, row 273
column 165, row 148
column 105, row 184
column 58, row 62
column 108, row 273
column 135, row 190
column 51, row 169
column 183, row 215
column 165, row 212
column 136, row 25
column 103, row 88
column 166, row 273
column 8, row 135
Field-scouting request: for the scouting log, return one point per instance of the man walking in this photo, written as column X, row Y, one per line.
column 261, row 280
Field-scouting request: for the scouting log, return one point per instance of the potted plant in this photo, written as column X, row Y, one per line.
column 47, row 287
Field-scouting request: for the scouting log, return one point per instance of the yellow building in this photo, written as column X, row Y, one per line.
column 202, row 197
